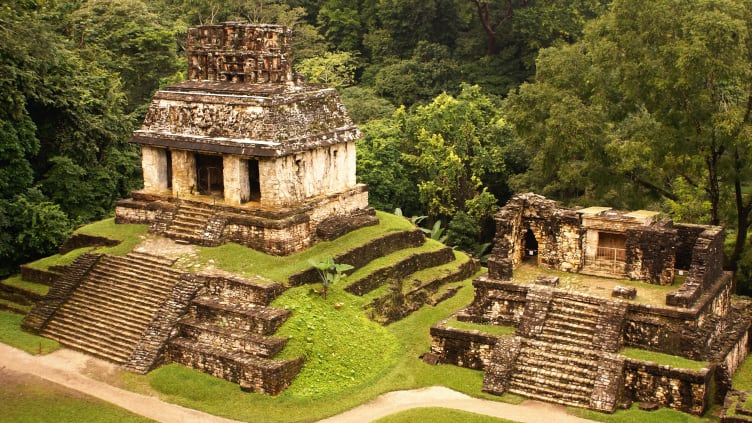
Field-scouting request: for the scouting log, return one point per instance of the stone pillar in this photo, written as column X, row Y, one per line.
column 183, row 173
column 237, row 184
column 154, row 165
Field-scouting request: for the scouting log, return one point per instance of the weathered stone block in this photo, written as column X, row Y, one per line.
column 626, row 292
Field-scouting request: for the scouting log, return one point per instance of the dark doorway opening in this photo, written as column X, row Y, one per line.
column 168, row 156
column 210, row 180
column 531, row 245
column 254, row 180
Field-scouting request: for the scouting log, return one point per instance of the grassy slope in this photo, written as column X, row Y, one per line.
column 350, row 359
column 439, row 415
column 11, row 334
column 130, row 235
column 29, row 399
column 245, row 261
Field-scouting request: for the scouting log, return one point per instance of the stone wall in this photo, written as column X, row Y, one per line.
column 290, row 180
column 705, row 268
column 464, row 348
column 132, row 211
column 496, row 302
column 362, row 255
column 684, row 332
column 276, row 237
column 154, row 165
column 401, row 269
column 77, row 241
column 239, row 52
column 686, row 237
column 256, row 375
column 45, row 277
column 556, row 230
column 650, row 254
column 237, row 185
column 680, row 389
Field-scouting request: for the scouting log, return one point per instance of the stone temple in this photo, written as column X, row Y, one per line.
column 245, row 152
column 643, row 283
column 241, row 152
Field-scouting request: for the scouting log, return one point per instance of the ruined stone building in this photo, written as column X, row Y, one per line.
column 568, row 340
column 243, row 152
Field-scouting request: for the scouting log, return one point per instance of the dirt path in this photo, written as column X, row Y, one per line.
column 66, row 368
column 69, row 368
column 439, row 396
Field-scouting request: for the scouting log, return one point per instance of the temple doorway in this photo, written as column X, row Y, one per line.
column 209, row 177
column 168, row 157
column 254, row 181
column 531, row 246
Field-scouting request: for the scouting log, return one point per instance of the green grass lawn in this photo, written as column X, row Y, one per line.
column 129, row 235
column 664, row 359
column 11, row 334
column 489, row 329
column 439, row 415
column 27, row 399
column 245, row 261
column 635, row 415
column 600, row 287
column 17, row 282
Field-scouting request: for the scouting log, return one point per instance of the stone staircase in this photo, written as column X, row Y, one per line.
column 570, row 322
column 227, row 333
column 555, row 373
column 196, row 223
column 566, row 351
column 113, row 305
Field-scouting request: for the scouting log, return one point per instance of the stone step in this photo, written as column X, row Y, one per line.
column 583, row 314
column 127, row 294
column 114, row 335
column 584, row 320
column 550, row 328
column 156, row 281
column 530, row 366
column 571, row 304
column 88, row 341
column 89, row 308
column 142, row 257
column 583, row 355
column 564, row 340
column 195, row 208
column 124, row 286
column 142, row 267
column 563, row 364
column 233, row 339
column 546, row 396
column 258, row 319
column 97, row 348
column 188, row 224
column 553, row 381
column 104, row 301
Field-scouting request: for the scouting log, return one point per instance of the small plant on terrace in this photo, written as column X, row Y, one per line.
column 330, row 272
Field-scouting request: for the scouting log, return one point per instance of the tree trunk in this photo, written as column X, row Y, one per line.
column 742, row 215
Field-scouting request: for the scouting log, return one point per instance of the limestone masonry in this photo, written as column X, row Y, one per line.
column 567, row 345
column 245, row 152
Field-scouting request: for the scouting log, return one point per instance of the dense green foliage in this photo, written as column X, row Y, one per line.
column 462, row 102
